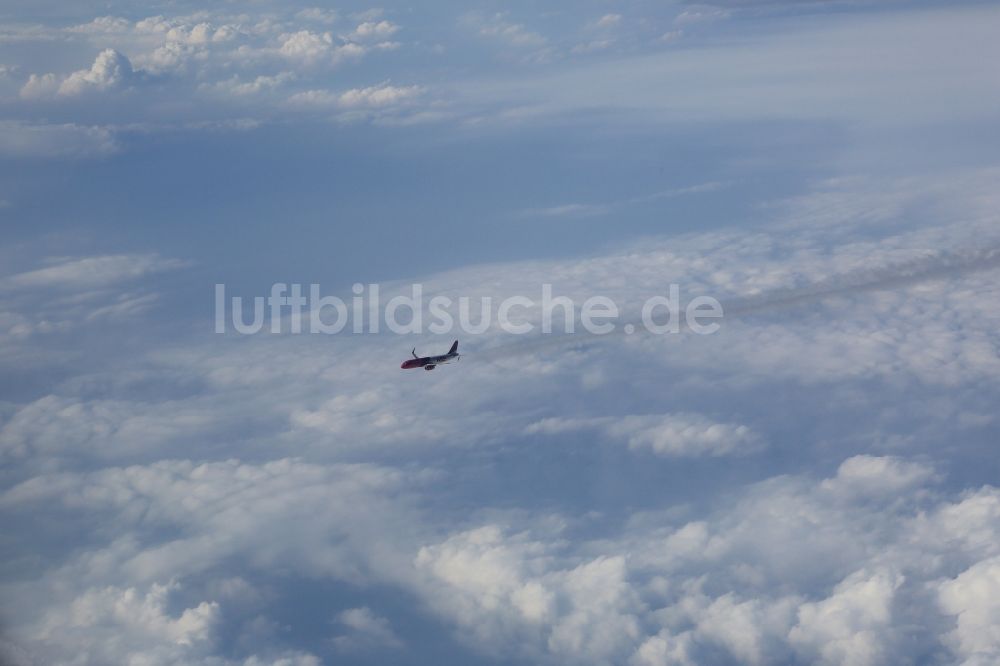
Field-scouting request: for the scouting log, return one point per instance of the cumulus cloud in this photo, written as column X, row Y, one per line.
column 311, row 47
column 972, row 599
column 852, row 625
column 317, row 14
column 40, row 86
column 306, row 45
column 111, row 624
column 866, row 475
column 103, row 24
column 236, row 86
column 111, row 70
column 503, row 590
column 377, row 96
column 380, row 95
column 374, row 30
column 366, row 631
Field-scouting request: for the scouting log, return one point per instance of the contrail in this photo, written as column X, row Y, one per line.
column 922, row 269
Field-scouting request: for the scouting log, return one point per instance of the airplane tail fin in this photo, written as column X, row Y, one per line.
column 454, row 348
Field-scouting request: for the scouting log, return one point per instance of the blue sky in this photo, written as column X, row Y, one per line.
column 812, row 484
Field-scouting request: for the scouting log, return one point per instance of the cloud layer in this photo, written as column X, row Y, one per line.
column 814, row 483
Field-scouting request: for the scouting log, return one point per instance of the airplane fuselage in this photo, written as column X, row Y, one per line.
column 431, row 362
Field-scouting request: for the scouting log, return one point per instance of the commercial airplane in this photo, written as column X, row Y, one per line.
column 431, row 362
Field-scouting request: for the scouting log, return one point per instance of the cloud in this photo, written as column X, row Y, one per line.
column 366, row 631
column 90, row 272
column 851, row 626
column 594, row 209
column 499, row 28
column 104, row 24
column 111, row 70
column 566, row 210
column 113, row 623
column 374, row 30
column 318, row 15
column 845, row 84
column 372, row 97
column 608, row 21
column 40, row 86
column 306, row 45
column 667, row 435
column 971, row 597
column 723, row 574
column 310, row 47
column 235, row 86
column 866, row 475
column 72, row 295
column 380, row 95
column 502, row 590
column 504, row 587
column 700, row 15
column 218, row 509
column 32, row 140
column 182, row 497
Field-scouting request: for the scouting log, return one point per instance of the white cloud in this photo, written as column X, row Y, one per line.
column 40, row 86
column 104, row 24
column 684, row 435
column 503, row 590
column 380, row 95
column 668, row 435
column 700, row 15
column 498, row 27
column 774, row 563
column 21, row 139
column 116, row 625
column 865, row 475
column 318, row 15
column 172, row 56
column 849, row 78
column 567, row 210
column 852, row 625
column 74, row 294
column 366, row 631
column 374, row 30
column 306, row 45
column 592, row 46
column 973, row 598
column 377, row 96
column 311, row 47
column 89, row 272
column 608, row 21
column 591, row 209
column 111, row 70
column 236, row 86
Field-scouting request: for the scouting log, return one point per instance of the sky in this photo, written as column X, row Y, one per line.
column 815, row 483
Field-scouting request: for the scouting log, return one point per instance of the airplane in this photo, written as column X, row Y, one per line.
column 431, row 362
